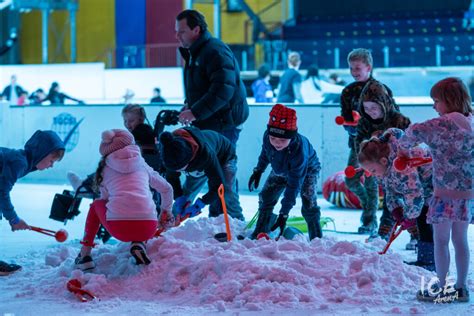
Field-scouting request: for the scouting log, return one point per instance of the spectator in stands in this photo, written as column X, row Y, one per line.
column 335, row 79
column 157, row 98
column 215, row 93
column 318, row 91
column 23, row 99
column 55, row 96
column 13, row 91
column 38, row 97
column 290, row 82
column 128, row 97
column 262, row 89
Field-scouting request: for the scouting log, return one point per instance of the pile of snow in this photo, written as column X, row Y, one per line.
column 190, row 268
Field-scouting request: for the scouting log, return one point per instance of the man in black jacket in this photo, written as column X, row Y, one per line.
column 215, row 93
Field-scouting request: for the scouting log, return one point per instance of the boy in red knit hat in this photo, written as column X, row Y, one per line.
column 295, row 168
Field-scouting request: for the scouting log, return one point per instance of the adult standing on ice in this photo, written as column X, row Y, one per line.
column 215, row 93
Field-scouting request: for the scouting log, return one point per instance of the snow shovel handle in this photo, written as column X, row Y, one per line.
column 220, row 191
column 43, row 231
column 393, row 235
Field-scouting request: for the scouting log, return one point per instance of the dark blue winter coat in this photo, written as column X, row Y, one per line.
column 215, row 93
column 293, row 163
column 17, row 163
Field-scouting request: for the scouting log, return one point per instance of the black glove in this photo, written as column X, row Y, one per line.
column 254, row 180
column 280, row 223
column 397, row 214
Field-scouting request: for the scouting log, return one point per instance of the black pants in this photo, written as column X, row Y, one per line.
column 424, row 229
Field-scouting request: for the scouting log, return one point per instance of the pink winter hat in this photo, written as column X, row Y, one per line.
column 115, row 139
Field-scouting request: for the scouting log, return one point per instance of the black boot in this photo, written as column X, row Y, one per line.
column 264, row 222
column 314, row 226
column 425, row 256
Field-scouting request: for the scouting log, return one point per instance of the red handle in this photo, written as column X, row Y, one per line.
column 43, row 231
column 393, row 235
column 61, row 235
column 402, row 163
column 341, row 121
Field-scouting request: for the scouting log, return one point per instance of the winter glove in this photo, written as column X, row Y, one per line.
column 352, row 130
column 397, row 214
column 406, row 223
column 181, row 203
column 19, row 225
column 193, row 210
column 166, row 219
column 280, row 223
column 254, row 180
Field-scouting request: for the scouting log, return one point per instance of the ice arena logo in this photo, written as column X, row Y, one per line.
column 67, row 127
column 446, row 294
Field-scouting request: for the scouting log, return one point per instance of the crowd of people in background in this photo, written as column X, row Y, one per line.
column 437, row 203
column 14, row 94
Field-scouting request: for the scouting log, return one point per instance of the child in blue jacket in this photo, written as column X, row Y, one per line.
column 295, row 168
column 41, row 151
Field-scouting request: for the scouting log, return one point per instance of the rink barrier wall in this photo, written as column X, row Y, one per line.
column 18, row 123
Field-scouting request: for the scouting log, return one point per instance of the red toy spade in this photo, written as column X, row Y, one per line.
column 75, row 286
column 402, row 163
column 61, row 235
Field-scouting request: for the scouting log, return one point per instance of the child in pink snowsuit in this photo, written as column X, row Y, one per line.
column 125, row 208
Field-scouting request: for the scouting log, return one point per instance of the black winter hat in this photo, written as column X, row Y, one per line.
column 143, row 134
column 175, row 151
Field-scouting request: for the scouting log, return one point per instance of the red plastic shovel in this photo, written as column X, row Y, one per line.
column 396, row 231
column 61, row 235
column 75, row 286
column 402, row 163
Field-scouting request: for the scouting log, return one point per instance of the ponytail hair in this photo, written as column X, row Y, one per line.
column 98, row 178
column 374, row 149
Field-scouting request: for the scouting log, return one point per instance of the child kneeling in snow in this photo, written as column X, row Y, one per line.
column 41, row 151
column 295, row 168
column 125, row 208
column 406, row 193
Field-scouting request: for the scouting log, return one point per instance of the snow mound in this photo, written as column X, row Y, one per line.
column 192, row 268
